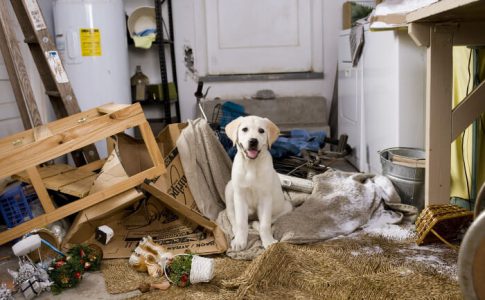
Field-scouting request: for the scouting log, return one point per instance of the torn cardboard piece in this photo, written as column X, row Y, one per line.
column 169, row 222
column 89, row 219
column 134, row 158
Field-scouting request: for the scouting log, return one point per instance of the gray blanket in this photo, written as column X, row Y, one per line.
column 340, row 204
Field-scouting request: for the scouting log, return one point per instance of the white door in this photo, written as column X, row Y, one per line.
column 258, row 36
column 10, row 121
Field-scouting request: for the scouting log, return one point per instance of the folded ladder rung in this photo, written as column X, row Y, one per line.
column 53, row 93
column 31, row 40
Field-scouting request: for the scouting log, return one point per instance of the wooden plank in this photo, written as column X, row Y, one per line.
column 151, row 144
column 17, row 72
column 41, row 132
column 79, row 188
column 26, row 156
column 40, row 189
column 44, row 172
column 178, row 207
column 447, row 10
column 58, row 181
column 467, row 111
column 419, row 33
column 14, row 141
column 438, row 117
column 79, row 205
column 93, row 166
column 111, row 108
column 469, row 34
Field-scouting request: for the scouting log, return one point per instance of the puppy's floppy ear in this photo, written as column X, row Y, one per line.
column 273, row 132
column 231, row 129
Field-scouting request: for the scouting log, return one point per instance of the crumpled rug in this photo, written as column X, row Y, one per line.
column 358, row 266
column 340, row 203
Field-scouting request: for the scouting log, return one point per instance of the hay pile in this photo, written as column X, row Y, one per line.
column 357, row 267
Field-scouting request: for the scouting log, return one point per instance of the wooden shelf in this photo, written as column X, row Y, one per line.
column 449, row 10
column 153, row 102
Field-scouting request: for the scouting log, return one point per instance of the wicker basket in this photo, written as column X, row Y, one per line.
column 443, row 223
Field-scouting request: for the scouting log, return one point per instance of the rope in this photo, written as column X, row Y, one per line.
column 202, row 269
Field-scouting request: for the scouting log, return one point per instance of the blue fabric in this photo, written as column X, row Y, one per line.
column 231, row 111
column 298, row 140
column 286, row 146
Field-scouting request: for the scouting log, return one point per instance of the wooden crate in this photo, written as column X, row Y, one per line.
column 24, row 151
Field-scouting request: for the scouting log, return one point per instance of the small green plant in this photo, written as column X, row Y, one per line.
column 178, row 270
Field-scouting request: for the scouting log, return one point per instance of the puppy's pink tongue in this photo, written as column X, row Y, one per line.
column 252, row 153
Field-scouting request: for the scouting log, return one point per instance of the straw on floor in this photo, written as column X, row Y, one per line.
column 356, row 267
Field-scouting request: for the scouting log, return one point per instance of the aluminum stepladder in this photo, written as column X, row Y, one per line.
column 51, row 70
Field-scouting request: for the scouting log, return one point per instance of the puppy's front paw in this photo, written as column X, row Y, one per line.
column 238, row 243
column 268, row 242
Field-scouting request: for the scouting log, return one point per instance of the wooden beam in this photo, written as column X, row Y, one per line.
column 93, row 166
column 41, row 132
column 438, row 116
column 178, row 207
column 151, row 144
column 469, row 34
column 12, row 142
column 26, row 156
column 17, row 71
column 79, row 205
column 467, row 111
column 419, row 32
column 40, row 189
column 443, row 6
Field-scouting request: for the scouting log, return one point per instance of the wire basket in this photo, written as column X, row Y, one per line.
column 225, row 113
column 442, row 223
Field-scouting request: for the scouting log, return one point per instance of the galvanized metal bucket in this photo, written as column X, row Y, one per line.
column 408, row 180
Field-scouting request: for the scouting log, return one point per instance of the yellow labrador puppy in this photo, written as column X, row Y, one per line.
column 255, row 189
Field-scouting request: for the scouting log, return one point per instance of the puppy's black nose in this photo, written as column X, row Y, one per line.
column 253, row 143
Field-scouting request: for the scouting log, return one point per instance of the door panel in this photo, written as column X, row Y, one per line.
column 258, row 36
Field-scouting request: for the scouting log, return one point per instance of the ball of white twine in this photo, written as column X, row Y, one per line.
column 201, row 269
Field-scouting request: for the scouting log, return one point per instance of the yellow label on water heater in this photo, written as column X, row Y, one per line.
column 90, row 42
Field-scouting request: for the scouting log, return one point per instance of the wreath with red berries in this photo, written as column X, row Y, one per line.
column 67, row 271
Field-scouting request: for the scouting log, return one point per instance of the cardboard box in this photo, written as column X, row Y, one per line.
column 171, row 218
column 347, row 15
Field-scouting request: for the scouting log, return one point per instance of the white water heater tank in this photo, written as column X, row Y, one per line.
column 91, row 39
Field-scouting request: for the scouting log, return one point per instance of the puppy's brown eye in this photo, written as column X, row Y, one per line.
column 261, row 130
column 245, row 129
